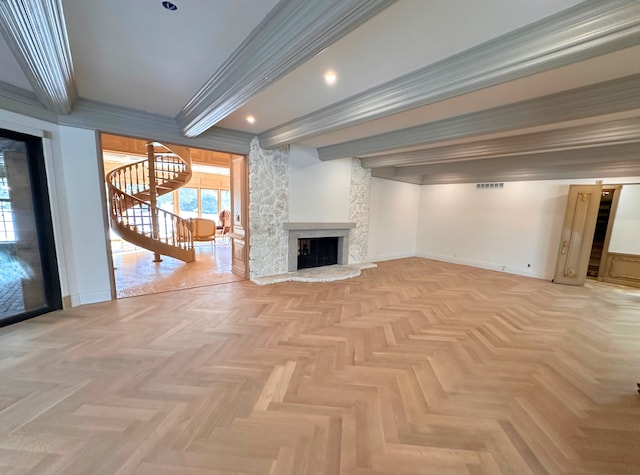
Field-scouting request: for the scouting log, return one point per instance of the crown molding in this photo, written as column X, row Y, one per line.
column 590, row 29
column 610, row 160
column 580, row 137
column 21, row 101
column 609, row 97
column 94, row 115
column 292, row 33
column 606, row 170
column 36, row 34
column 389, row 173
column 133, row 123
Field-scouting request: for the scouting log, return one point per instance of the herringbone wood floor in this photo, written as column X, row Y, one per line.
column 414, row 367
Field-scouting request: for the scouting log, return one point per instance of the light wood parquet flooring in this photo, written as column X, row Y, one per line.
column 415, row 367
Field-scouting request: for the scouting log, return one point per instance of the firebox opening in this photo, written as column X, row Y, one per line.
column 317, row 252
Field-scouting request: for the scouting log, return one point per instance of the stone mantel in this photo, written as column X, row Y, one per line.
column 317, row 230
column 314, row 226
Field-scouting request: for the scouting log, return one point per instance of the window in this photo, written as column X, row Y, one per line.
column 209, row 204
column 165, row 202
column 225, row 199
column 29, row 280
column 188, row 202
column 6, row 216
column 196, row 202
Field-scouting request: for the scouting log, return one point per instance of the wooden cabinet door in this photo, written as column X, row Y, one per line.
column 577, row 234
column 239, row 217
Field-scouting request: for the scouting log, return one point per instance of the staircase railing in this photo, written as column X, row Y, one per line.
column 134, row 214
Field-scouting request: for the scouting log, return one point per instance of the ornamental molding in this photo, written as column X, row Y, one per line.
column 590, row 29
column 117, row 120
column 585, row 136
column 597, row 162
column 36, row 34
column 134, row 123
column 18, row 100
column 292, row 33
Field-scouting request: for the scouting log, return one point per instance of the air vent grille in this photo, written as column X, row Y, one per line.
column 489, row 186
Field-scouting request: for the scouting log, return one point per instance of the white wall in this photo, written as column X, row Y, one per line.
column 76, row 208
column 393, row 220
column 83, row 185
column 625, row 235
column 515, row 229
column 318, row 191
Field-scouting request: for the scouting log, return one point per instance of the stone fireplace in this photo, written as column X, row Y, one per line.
column 271, row 225
column 310, row 231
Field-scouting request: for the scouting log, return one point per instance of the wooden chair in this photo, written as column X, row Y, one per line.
column 224, row 224
column 204, row 229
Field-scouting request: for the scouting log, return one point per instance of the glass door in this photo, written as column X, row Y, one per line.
column 29, row 282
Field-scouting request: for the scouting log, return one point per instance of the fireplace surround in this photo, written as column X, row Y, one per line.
column 317, row 230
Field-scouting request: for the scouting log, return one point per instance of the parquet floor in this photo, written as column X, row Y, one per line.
column 415, row 367
column 136, row 273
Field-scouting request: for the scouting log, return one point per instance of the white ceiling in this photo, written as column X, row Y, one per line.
column 10, row 71
column 141, row 56
column 407, row 36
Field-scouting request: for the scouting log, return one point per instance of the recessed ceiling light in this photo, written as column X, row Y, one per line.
column 330, row 78
column 170, row 6
column 251, row 119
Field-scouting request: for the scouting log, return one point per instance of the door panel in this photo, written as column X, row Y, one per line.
column 239, row 220
column 29, row 281
column 577, row 234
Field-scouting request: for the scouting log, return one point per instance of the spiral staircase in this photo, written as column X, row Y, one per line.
column 133, row 191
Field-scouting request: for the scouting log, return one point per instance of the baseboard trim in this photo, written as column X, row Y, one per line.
column 525, row 272
column 391, row 257
column 91, row 297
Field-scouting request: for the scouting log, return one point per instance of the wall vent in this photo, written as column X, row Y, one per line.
column 489, row 186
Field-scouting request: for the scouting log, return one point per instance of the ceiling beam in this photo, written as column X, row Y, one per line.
column 618, row 95
column 584, row 136
column 292, row 33
column 36, row 33
column 590, row 29
column 622, row 168
column 621, row 159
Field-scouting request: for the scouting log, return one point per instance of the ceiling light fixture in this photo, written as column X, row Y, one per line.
column 330, row 78
column 251, row 119
column 170, row 6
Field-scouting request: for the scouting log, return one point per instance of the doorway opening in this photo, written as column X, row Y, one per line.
column 600, row 234
column 29, row 280
column 599, row 238
column 171, row 232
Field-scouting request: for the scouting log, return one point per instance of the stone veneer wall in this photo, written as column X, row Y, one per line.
column 268, row 210
column 359, row 205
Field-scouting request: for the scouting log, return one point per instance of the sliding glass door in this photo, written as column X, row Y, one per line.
column 29, row 282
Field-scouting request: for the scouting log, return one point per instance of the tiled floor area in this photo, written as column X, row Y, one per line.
column 137, row 274
column 11, row 302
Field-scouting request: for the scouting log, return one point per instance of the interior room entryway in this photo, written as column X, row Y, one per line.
column 173, row 231
column 600, row 235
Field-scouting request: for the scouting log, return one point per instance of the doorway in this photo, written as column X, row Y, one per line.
column 202, row 199
column 29, row 281
column 599, row 236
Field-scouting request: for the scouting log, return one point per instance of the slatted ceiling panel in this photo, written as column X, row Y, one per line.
column 415, row 367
